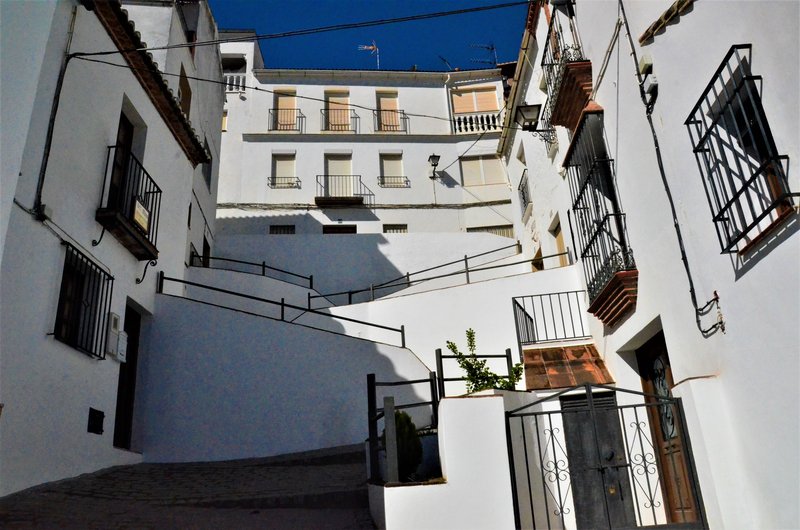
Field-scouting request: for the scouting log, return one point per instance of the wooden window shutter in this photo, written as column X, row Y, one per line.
column 463, row 102
column 486, row 100
column 392, row 165
column 471, row 171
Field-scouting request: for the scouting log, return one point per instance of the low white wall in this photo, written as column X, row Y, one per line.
column 474, row 456
column 341, row 262
column 249, row 386
column 432, row 318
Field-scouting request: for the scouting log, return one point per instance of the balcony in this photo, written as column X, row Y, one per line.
column 477, row 122
column 385, row 181
column 567, row 74
column 341, row 190
column 339, row 120
column 600, row 230
column 391, row 121
column 286, row 120
column 131, row 203
column 235, row 82
column 281, row 183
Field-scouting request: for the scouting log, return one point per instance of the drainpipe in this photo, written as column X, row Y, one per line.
column 38, row 207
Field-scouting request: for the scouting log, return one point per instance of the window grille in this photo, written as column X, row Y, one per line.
column 395, row 229
column 744, row 176
column 524, row 192
column 281, row 229
column 600, row 224
column 83, row 304
column 499, row 230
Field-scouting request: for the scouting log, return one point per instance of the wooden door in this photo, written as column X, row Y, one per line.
column 122, row 155
column 656, row 374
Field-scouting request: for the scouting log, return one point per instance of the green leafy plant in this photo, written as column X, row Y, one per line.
column 478, row 375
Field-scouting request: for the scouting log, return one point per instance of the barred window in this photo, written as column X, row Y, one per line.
column 744, row 176
column 395, row 229
column 498, row 230
column 83, row 304
column 281, row 229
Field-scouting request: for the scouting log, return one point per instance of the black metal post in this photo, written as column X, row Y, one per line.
column 466, row 267
column 440, row 372
column 434, row 400
column 372, row 413
column 512, row 473
column 403, row 336
column 509, row 363
column 349, row 297
column 160, row 284
column 309, row 299
column 283, row 309
column 263, row 268
column 311, row 282
column 372, row 292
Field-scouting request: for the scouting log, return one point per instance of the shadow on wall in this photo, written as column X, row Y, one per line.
column 338, row 261
column 218, row 384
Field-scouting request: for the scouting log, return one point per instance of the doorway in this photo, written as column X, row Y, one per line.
column 126, row 387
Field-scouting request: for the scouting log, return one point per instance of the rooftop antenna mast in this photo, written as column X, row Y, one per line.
column 446, row 63
column 492, row 53
column 374, row 49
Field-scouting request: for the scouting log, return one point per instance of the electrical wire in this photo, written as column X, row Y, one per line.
column 309, row 98
column 322, row 29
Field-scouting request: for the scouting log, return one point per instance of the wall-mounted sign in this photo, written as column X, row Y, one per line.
column 141, row 215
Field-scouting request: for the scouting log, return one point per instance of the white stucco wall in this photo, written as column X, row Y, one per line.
column 477, row 492
column 745, row 378
column 250, row 386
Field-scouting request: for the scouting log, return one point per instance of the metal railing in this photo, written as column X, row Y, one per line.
column 441, row 380
column 477, row 122
column 286, row 120
column 282, row 305
column 375, row 413
column 339, row 120
column 561, row 447
column 560, row 48
column 283, row 182
column 524, row 191
column 407, row 281
column 341, row 186
column 394, row 181
column 260, row 269
column 550, row 317
column 235, row 82
column 390, row 121
column 130, row 191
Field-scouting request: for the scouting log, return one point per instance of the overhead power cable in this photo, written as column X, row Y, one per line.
column 322, row 29
column 310, row 98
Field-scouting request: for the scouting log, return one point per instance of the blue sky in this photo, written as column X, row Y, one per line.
column 401, row 45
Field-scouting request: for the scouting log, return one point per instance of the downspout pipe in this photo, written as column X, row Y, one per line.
column 698, row 311
column 38, row 207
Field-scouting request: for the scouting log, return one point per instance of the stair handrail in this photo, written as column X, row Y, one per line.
column 409, row 282
column 283, row 305
column 263, row 265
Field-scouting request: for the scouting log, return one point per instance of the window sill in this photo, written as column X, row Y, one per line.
column 769, row 230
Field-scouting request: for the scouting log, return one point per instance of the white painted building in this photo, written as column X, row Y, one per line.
column 317, row 151
column 110, row 178
column 680, row 204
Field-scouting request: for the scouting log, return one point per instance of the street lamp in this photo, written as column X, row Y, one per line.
column 434, row 161
column 528, row 118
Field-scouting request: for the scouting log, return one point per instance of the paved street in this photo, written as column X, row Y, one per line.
column 321, row 489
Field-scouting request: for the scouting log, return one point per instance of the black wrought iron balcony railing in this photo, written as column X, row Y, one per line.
column 390, row 121
column 600, row 231
column 562, row 47
column 550, row 317
column 286, row 120
column 477, row 122
column 524, row 192
column 341, row 120
column 341, row 190
column 130, row 204
column 283, row 182
column 385, row 181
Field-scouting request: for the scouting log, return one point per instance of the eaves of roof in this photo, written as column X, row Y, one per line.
column 376, row 74
column 122, row 31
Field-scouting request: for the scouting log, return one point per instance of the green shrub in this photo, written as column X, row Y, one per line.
column 478, row 375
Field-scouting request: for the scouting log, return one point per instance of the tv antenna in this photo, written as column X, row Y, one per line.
column 490, row 48
column 446, row 63
column 374, row 49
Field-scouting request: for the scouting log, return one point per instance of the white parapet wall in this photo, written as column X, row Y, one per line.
column 250, row 386
column 474, row 456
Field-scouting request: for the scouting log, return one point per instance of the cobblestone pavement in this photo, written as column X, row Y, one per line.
column 320, row 489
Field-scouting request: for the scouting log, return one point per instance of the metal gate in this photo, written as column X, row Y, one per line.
column 596, row 456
